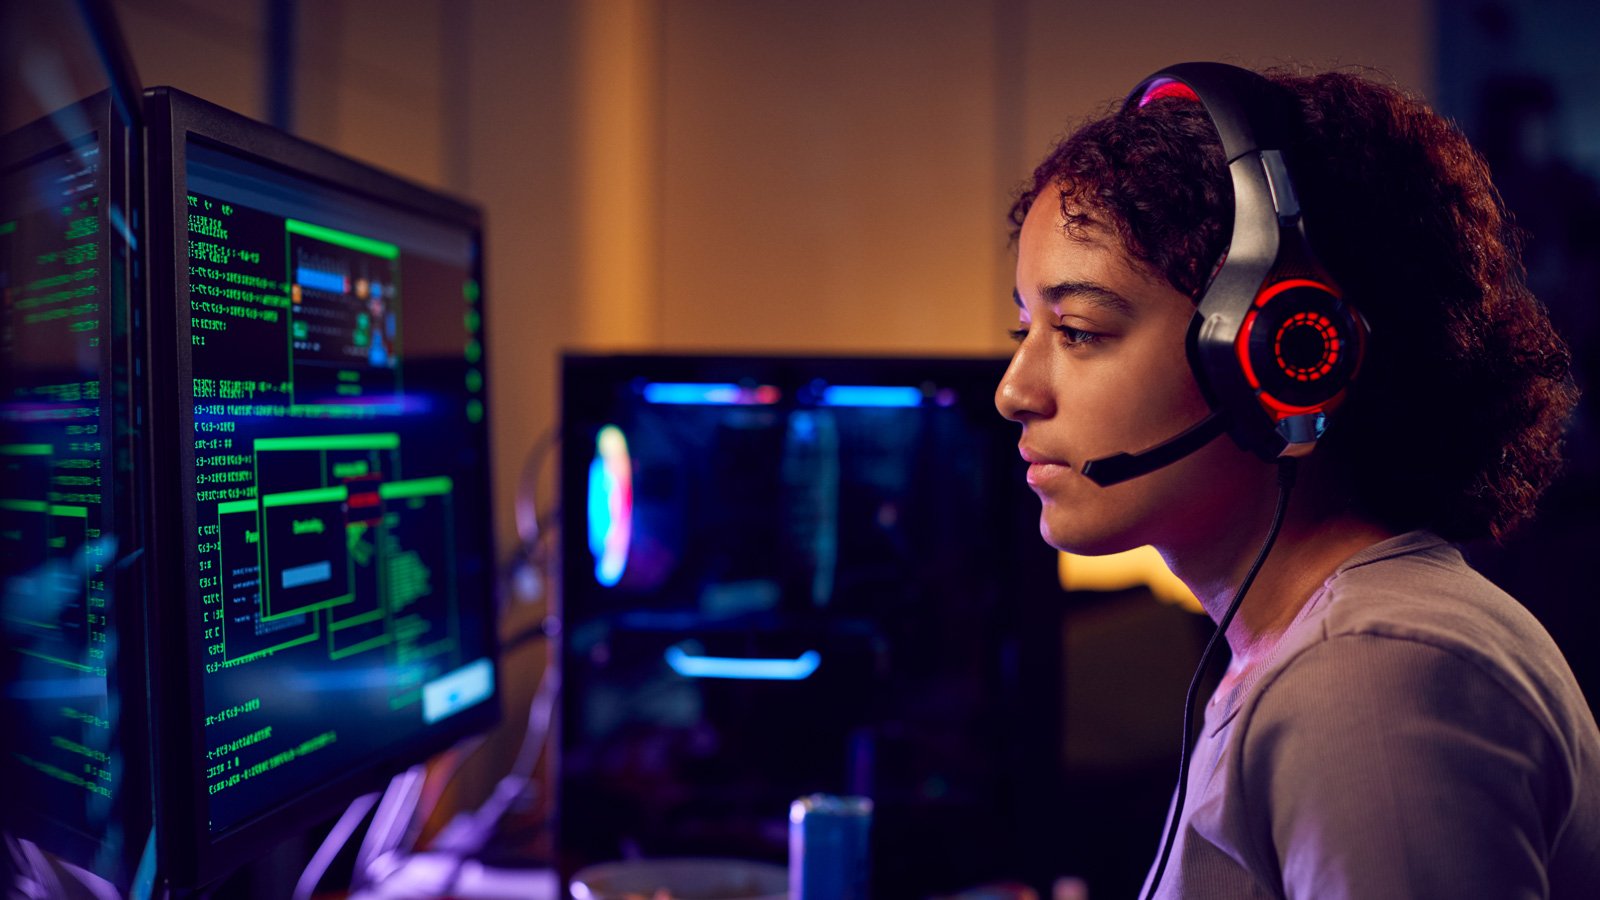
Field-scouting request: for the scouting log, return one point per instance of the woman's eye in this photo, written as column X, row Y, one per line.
column 1076, row 336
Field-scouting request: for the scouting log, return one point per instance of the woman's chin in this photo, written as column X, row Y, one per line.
column 1080, row 540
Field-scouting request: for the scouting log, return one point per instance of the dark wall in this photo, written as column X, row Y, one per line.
column 1518, row 77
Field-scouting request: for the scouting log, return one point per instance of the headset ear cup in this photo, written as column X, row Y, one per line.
column 1300, row 347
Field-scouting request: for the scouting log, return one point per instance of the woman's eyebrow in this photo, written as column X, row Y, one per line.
column 1090, row 293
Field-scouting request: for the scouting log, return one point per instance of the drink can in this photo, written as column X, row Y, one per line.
column 828, row 847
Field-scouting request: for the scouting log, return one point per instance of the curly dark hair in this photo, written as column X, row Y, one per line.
column 1455, row 422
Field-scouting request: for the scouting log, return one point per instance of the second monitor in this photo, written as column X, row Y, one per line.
column 793, row 575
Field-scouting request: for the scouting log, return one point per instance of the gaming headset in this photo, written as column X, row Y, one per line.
column 1273, row 344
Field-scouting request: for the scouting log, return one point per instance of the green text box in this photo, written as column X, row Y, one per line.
column 418, row 487
column 388, row 441
column 342, row 239
column 314, row 495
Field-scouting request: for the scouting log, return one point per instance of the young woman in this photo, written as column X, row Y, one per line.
column 1390, row 724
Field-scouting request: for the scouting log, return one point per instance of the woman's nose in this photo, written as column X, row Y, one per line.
column 1024, row 391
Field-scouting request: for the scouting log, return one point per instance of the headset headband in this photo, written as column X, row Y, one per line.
column 1273, row 344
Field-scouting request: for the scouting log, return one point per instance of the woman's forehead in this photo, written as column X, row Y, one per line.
column 1086, row 262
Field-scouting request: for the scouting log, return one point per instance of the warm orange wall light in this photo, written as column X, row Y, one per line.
column 1141, row 567
column 617, row 153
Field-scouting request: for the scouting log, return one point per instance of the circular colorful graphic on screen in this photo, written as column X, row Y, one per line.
column 610, row 505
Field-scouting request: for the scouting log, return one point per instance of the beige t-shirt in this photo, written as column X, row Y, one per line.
column 1417, row 734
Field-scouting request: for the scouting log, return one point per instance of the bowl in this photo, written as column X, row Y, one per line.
column 682, row 879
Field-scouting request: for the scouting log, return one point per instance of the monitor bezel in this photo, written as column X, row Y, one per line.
column 189, row 855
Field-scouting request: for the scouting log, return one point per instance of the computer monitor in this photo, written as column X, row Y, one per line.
column 787, row 575
column 73, row 751
column 321, row 543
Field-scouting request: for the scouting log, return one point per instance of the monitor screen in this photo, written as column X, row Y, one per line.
column 73, row 759
column 328, row 493
column 785, row 576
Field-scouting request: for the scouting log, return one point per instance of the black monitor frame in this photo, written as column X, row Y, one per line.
column 188, row 855
column 120, row 186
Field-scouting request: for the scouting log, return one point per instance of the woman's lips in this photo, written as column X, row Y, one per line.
column 1042, row 473
column 1043, row 468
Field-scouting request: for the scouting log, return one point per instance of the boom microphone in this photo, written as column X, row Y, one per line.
column 1119, row 467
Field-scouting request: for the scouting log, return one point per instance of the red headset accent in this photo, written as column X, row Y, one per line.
column 1161, row 90
column 1332, row 348
column 1323, row 326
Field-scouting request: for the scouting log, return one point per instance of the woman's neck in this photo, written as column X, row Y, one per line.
column 1317, row 535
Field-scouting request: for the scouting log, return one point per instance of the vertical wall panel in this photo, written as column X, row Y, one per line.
column 1079, row 56
column 368, row 82
column 618, row 104
column 212, row 50
column 827, row 175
